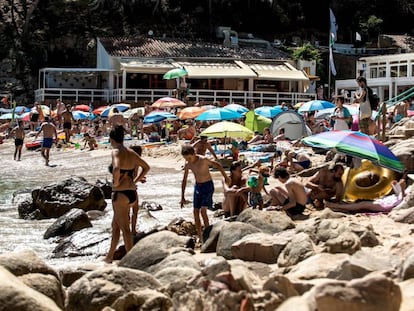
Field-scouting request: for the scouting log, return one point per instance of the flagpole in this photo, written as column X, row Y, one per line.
column 329, row 65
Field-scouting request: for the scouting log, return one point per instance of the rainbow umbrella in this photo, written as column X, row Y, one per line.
column 358, row 145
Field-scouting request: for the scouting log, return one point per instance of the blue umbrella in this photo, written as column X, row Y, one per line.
column 81, row 115
column 21, row 109
column 158, row 116
column 268, row 111
column 219, row 114
column 236, row 107
column 314, row 105
column 6, row 116
column 120, row 107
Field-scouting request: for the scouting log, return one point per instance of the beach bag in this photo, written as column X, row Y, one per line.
column 373, row 99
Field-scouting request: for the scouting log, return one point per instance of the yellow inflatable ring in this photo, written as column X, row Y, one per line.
column 367, row 182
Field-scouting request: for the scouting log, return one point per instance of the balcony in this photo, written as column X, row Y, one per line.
column 104, row 96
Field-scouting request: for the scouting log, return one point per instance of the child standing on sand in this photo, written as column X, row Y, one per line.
column 204, row 186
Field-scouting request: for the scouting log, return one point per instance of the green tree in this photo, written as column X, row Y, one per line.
column 371, row 27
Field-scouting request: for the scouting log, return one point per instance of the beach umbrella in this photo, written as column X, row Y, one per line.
column 219, row 114
column 314, row 105
column 82, row 115
column 168, row 102
column 84, row 108
column 190, row 112
column 109, row 110
column 326, row 113
column 6, row 116
column 236, row 107
column 268, row 111
column 175, row 73
column 99, row 110
column 226, row 129
column 140, row 111
column 158, row 116
column 358, row 145
column 208, row 107
column 45, row 109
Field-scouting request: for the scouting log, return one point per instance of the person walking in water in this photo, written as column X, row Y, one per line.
column 125, row 165
column 49, row 134
column 204, row 186
column 18, row 133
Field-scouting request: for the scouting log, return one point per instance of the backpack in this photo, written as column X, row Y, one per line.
column 373, row 99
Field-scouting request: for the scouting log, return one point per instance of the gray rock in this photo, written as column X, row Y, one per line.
column 145, row 300
column 153, row 249
column 24, row 262
column 15, row 295
column 57, row 199
column 407, row 269
column 210, row 236
column 231, row 233
column 300, row 248
column 48, row 285
column 267, row 221
column 372, row 293
column 103, row 287
column 74, row 220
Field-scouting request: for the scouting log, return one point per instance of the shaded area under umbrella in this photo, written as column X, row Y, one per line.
column 358, row 145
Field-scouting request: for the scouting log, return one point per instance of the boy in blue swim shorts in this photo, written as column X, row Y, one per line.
column 204, row 186
column 49, row 134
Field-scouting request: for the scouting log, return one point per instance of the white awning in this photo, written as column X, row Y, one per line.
column 150, row 66
column 219, row 70
column 281, row 72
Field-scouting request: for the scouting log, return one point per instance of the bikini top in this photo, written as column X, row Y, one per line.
column 130, row 172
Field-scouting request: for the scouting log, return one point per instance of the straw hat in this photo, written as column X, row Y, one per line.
column 368, row 182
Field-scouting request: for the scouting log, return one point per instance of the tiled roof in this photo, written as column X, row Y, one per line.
column 404, row 42
column 182, row 48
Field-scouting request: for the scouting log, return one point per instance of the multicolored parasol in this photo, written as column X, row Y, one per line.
column 358, row 145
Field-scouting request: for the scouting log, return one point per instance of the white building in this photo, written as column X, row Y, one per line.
column 387, row 75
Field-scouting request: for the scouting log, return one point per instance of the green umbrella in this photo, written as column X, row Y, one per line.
column 175, row 73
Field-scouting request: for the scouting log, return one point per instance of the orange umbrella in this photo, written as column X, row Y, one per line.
column 84, row 108
column 190, row 112
column 99, row 110
column 168, row 102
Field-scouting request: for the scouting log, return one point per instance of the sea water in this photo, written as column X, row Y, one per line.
column 163, row 187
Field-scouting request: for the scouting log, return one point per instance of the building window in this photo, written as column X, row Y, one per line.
column 377, row 70
column 399, row 69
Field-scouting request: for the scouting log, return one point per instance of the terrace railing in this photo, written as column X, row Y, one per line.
column 151, row 95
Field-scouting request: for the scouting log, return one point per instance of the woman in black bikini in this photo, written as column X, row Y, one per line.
column 125, row 162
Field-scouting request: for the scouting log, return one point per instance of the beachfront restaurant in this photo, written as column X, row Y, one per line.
column 132, row 70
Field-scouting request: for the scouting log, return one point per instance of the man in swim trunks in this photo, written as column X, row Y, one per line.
column 204, row 186
column 49, row 133
column 67, row 118
column 18, row 133
column 292, row 196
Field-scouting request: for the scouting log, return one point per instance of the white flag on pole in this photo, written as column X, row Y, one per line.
column 334, row 28
column 331, row 62
column 357, row 36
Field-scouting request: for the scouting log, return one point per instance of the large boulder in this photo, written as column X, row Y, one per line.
column 231, row 233
column 153, row 249
column 101, row 288
column 48, row 285
column 56, row 199
column 404, row 150
column 371, row 293
column 87, row 242
column 74, row 220
column 24, row 262
column 268, row 222
column 15, row 295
